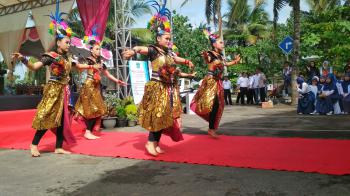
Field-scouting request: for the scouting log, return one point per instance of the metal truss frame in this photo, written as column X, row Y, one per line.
column 26, row 5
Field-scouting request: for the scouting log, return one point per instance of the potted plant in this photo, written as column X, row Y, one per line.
column 131, row 114
column 121, row 116
column 109, row 121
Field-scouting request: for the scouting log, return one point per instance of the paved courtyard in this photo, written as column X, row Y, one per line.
column 86, row 175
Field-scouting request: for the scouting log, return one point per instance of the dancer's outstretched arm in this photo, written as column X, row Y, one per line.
column 114, row 79
column 137, row 49
column 183, row 61
column 86, row 66
column 30, row 65
column 187, row 75
column 234, row 62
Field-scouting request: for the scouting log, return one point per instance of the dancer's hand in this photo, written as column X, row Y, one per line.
column 17, row 55
column 127, row 54
column 121, row 83
column 237, row 58
column 192, row 75
column 190, row 65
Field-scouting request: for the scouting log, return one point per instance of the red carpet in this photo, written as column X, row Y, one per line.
column 326, row 156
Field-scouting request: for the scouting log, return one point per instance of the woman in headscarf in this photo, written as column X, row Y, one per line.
column 327, row 97
column 306, row 98
column 346, row 95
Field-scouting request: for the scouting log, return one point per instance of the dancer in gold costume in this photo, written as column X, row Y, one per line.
column 160, row 106
column 90, row 104
column 208, row 102
column 52, row 111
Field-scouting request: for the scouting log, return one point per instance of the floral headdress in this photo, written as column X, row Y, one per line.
column 159, row 23
column 93, row 36
column 211, row 36
column 58, row 27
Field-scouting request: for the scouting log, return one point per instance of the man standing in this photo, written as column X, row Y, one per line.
column 243, row 83
column 255, row 85
column 227, row 90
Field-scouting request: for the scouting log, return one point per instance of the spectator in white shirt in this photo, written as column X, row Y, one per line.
column 255, row 86
column 250, row 93
column 243, row 84
column 227, row 90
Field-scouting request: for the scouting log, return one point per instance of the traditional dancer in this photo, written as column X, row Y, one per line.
column 175, row 131
column 52, row 112
column 208, row 102
column 90, row 104
column 160, row 107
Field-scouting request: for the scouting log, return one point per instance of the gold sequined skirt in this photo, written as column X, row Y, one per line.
column 202, row 103
column 90, row 103
column 157, row 109
column 205, row 95
column 50, row 108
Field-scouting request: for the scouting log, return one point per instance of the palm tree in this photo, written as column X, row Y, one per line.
column 252, row 23
column 347, row 3
column 212, row 12
column 295, row 4
column 319, row 6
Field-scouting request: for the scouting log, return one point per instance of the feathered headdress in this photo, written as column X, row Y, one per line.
column 159, row 23
column 93, row 36
column 211, row 36
column 58, row 26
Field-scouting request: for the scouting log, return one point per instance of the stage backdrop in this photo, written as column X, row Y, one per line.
column 94, row 14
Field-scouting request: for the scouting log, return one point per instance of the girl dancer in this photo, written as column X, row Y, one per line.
column 52, row 111
column 208, row 102
column 90, row 104
column 160, row 106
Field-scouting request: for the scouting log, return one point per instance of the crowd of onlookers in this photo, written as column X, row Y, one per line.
column 321, row 91
column 251, row 88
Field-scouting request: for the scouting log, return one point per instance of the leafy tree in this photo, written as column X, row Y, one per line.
column 191, row 42
column 327, row 34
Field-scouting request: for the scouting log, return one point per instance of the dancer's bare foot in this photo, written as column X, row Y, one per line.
column 150, row 147
column 61, row 151
column 159, row 150
column 34, row 150
column 213, row 133
column 88, row 135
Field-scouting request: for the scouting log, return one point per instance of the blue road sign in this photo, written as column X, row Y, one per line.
column 286, row 45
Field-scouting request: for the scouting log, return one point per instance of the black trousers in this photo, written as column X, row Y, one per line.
column 238, row 97
column 250, row 95
column 90, row 123
column 59, row 135
column 212, row 114
column 244, row 91
column 262, row 94
column 155, row 136
column 227, row 95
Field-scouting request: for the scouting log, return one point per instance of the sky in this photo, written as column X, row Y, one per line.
column 194, row 9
